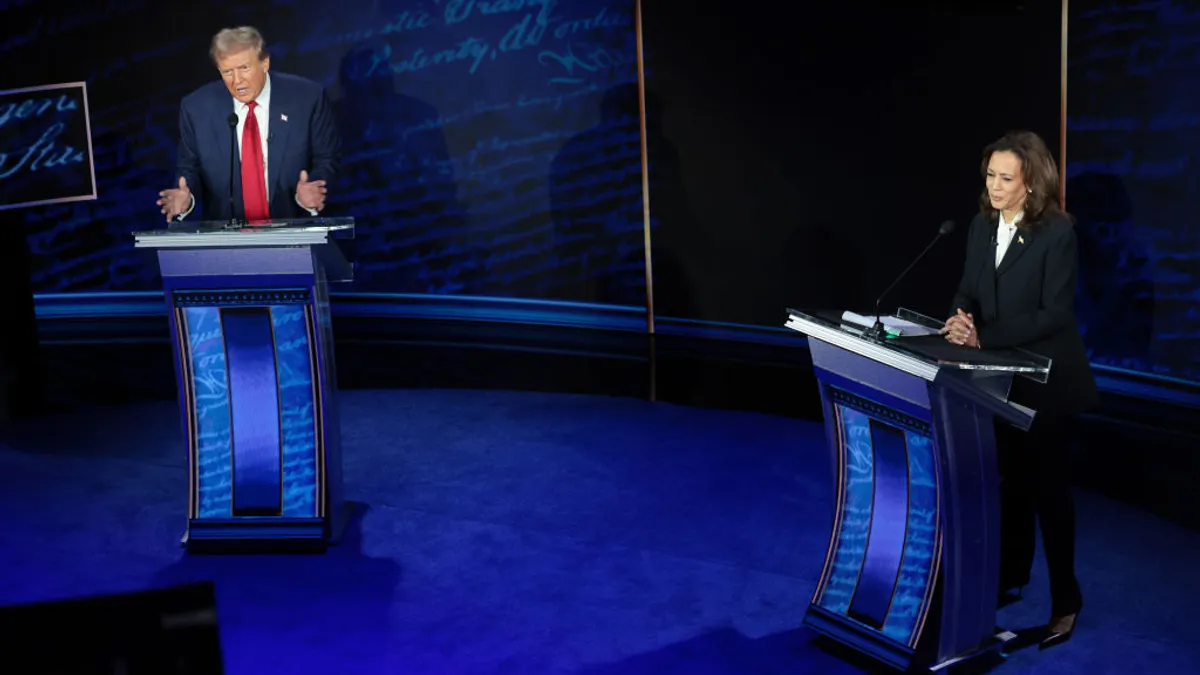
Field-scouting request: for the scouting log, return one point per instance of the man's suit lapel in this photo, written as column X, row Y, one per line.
column 277, row 137
column 1020, row 243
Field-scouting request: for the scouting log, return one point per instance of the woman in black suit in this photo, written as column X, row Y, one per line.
column 1018, row 290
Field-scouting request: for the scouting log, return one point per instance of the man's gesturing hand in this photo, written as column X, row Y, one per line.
column 176, row 200
column 311, row 195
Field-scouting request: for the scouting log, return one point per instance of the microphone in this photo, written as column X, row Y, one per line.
column 877, row 332
column 233, row 120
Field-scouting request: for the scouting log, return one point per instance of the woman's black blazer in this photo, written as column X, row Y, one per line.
column 1029, row 302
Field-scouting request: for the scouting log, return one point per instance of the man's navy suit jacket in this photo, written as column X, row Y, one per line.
column 307, row 141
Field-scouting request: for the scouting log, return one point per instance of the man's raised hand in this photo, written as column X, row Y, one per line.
column 175, row 201
column 310, row 194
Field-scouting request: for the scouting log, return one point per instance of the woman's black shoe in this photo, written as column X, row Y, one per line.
column 1060, row 629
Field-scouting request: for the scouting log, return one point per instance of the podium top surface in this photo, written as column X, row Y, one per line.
column 918, row 352
column 227, row 234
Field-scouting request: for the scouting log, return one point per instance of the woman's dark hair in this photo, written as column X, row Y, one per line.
column 1038, row 170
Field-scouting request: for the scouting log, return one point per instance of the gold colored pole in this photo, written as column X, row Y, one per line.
column 1062, row 112
column 653, row 366
column 645, row 171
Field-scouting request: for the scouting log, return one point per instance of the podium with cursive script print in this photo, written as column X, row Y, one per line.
column 911, row 573
column 250, row 324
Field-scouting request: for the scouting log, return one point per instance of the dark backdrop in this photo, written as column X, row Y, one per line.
column 813, row 152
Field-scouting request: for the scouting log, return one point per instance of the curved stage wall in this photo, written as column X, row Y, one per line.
column 493, row 161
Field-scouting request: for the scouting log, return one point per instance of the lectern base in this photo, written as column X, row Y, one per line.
column 844, row 631
column 1000, row 640
column 265, row 535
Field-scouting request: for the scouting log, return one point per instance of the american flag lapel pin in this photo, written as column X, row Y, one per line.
column 283, row 117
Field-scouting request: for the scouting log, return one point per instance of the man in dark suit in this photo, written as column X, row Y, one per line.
column 1018, row 290
column 284, row 159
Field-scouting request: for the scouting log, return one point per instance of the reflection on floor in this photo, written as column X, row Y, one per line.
column 529, row 532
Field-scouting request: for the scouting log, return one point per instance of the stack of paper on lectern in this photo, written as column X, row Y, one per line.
column 894, row 325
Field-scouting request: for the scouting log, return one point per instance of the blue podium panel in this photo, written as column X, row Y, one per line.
column 253, row 406
column 329, row 424
column 910, row 577
column 877, row 585
column 248, row 307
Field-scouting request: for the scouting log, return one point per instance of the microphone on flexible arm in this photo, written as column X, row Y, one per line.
column 233, row 121
column 877, row 332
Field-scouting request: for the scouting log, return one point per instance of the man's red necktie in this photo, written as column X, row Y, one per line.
column 254, row 183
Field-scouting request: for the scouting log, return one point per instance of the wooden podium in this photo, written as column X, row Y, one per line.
column 911, row 575
column 250, row 325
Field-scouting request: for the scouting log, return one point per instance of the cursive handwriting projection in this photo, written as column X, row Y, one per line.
column 537, row 20
column 55, row 24
column 478, row 153
column 471, row 51
column 44, row 146
column 527, row 32
column 603, row 19
column 457, row 11
column 405, row 23
column 575, row 68
column 479, row 218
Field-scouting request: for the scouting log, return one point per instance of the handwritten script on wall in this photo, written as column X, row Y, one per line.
column 490, row 147
column 45, row 146
column 1133, row 135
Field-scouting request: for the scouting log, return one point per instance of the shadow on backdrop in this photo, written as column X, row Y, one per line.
column 680, row 252
column 597, row 208
column 398, row 181
column 1116, row 279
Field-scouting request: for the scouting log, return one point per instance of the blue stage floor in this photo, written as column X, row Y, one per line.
column 537, row 533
